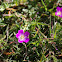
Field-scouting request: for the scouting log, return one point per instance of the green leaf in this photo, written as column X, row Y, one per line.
column 42, row 23
column 2, row 25
column 2, row 8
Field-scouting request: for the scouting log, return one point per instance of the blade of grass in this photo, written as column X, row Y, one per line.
column 50, row 24
column 54, row 28
column 40, row 31
column 44, row 5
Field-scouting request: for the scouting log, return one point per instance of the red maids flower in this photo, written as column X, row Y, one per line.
column 58, row 12
column 22, row 37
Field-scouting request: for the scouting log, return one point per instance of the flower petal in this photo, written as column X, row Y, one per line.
column 20, row 41
column 17, row 35
column 26, row 33
column 61, row 9
column 20, row 31
column 55, row 13
column 60, row 16
column 26, row 40
column 58, row 9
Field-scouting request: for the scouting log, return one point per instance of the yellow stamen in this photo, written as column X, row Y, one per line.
column 22, row 37
column 59, row 13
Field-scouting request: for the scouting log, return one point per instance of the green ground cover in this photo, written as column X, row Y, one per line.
column 45, row 31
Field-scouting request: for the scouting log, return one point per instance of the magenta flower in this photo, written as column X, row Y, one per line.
column 58, row 12
column 37, row 12
column 22, row 37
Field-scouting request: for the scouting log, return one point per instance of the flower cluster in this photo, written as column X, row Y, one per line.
column 22, row 37
column 58, row 12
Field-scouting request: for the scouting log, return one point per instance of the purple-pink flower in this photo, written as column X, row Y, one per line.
column 22, row 37
column 58, row 12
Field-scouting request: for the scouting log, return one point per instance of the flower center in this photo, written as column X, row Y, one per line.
column 59, row 13
column 22, row 37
